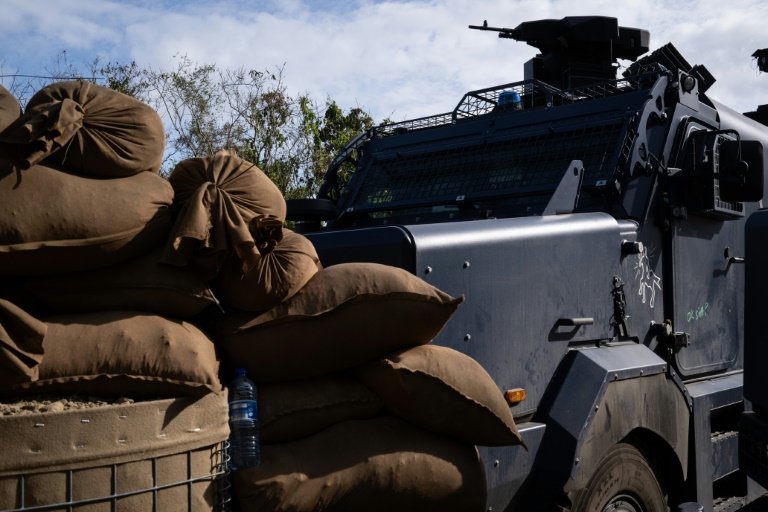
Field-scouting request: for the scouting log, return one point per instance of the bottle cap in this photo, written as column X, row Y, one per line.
column 241, row 371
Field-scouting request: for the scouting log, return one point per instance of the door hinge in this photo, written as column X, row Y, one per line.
column 619, row 308
column 670, row 339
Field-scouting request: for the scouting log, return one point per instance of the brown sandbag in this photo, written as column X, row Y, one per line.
column 375, row 465
column 21, row 344
column 10, row 109
column 346, row 315
column 443, row 391
column 278, row 276
column 221, row 199
column 124, row 353
column 142, row 284
column 292, row 410
column 53, row 221
column 89, row 129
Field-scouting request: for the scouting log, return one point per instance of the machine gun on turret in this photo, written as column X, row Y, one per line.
column 575, row 50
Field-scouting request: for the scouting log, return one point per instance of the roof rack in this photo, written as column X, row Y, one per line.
column 533, row 94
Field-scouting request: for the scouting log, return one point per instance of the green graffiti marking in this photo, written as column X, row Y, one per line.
column 698, row 313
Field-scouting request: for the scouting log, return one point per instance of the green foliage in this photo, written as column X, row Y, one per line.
column 205, row 109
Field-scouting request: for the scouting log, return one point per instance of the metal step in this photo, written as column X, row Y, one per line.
column 725, row 453
column 729, row 504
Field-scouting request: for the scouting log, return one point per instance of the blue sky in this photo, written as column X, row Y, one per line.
column 403, row 59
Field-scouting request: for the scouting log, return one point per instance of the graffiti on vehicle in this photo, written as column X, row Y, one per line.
column 698, row 313
column 649, row 282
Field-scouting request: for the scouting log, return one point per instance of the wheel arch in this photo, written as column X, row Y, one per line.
column 599, row 397
column 649, row 409
column 661, row 456
column 609, row 394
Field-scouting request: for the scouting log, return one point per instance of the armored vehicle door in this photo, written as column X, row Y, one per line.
column 707, row 249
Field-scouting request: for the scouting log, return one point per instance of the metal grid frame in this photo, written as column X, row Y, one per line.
column 218, row 475
column 534, row 94
column 500, row 169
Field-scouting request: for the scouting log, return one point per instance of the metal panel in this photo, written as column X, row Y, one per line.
column 711, row 313
column 725, row 451
column 755, row 325
column 507, row 467
column 753, row 446
column 391, row 245
column 707, row 395
column 523, row 280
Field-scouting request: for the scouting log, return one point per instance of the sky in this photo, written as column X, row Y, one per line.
column 400, row 59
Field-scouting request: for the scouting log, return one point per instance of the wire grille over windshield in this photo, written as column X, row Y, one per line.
column 516, row 166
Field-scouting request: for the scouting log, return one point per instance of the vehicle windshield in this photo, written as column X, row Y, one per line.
column 493, row 162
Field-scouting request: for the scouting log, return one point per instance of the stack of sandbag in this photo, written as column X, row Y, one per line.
column 358, row 410
column 84, row 219
column 74, row 193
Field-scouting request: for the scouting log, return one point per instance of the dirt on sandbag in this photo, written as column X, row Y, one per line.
column 56, row 403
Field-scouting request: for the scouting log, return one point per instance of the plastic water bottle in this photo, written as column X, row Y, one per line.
column 243, row 422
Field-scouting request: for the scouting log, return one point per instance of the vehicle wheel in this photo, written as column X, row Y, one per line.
column 622, row 482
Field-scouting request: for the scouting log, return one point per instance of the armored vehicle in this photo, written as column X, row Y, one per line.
column 595, row 225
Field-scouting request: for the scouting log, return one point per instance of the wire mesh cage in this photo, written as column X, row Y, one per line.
column 195, row 480
column 160, row 455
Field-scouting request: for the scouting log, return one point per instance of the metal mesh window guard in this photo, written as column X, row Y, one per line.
column 529, row 164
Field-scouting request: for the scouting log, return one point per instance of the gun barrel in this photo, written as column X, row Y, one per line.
column 510, row 33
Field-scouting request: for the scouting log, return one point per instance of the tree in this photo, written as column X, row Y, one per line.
column 206, row 109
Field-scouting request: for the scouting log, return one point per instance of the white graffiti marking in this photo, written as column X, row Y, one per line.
column 649, row 281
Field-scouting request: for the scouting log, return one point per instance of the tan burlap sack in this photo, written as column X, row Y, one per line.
column 432, row 386
column 142, row 284
column 346, row 315
column 375, row 465
column 124, row 353
column 10, row 110
column 21, row 344
column 53, row 221
column 89, row 129
column 279, row 275
column 220, row 200
column 292, row 410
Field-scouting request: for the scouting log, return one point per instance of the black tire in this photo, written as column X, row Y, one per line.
column 623, row 482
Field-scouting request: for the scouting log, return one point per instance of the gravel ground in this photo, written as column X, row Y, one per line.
column 49, row 403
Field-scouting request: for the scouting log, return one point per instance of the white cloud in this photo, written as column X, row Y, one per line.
column 410, row 58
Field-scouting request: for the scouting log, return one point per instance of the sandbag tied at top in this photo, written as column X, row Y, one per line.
column 220, row 200
column 89, row 129
column 10, row 109
column 53, row 221
column 280, row 273
column 21, row 344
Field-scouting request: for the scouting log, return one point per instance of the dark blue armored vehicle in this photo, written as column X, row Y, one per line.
column 595, row 225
